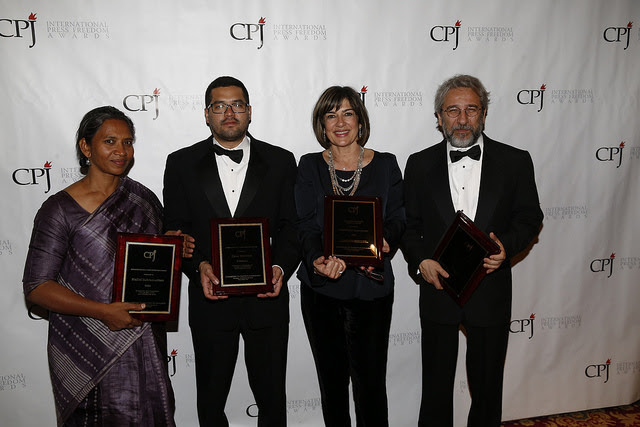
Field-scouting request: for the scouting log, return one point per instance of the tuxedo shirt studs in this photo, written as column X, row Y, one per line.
column 232, row 175
column 464, row 176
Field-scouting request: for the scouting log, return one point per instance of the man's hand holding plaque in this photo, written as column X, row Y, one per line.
column 241, row 262
column 463, row 257
column 208, row 280
column 494, row 262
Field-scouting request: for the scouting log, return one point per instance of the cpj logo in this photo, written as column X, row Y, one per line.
column 142, row 102
column 363, row 93
column 618, row 34
column 603, row 265
column 610, row 154
column 18, row 27
column 598, row 371
column 246, row 32
column 171, row 360
column 444, row 33
column 33, row 176
column 523, row 325
column 532, row 96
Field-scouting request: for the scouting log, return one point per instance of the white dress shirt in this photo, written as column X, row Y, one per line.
column 464, row 180
column 232, row 174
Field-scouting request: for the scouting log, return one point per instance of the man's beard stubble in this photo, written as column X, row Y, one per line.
column 223, row 134
column 463, row 143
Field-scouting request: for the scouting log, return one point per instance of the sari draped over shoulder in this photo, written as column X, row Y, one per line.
column 99, row 377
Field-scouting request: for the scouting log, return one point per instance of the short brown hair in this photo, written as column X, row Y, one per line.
column 330, row 100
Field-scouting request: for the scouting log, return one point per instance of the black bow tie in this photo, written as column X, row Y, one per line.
column 473, row 152
column 235, row 155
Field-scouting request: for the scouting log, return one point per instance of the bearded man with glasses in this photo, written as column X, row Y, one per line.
column 232, row 174
column 494, row 185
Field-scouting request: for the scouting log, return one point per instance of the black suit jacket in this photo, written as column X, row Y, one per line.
column 193, row 195
column 507, row 205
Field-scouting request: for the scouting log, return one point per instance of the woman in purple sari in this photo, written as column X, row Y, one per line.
column 107, row 368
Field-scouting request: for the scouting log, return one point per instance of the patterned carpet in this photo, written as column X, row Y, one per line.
column 627, row 415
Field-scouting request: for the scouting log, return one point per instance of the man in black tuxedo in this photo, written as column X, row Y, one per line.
column 493, row 183
column 232, row 174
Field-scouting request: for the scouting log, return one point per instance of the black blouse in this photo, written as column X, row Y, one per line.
column 380, row 178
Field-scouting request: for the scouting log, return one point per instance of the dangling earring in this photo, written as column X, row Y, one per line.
column 324, row 135
column 360, row 132
column 87, row 162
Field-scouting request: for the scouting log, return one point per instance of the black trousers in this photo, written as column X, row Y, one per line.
column 486, row 353
column 349, row 341
column 265, row 353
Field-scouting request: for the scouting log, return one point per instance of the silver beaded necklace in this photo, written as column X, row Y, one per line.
column 338, row 189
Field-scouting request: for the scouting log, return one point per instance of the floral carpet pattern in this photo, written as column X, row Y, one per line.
column 626, row 416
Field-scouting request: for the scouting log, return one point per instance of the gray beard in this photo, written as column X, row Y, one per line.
column 462, row 143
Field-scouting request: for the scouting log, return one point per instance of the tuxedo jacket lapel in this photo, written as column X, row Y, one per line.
column 256, row 172
column 442, row 192
column 211, row 184
column 490, row 185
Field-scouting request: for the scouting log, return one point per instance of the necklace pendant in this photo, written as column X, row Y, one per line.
column 354, row 179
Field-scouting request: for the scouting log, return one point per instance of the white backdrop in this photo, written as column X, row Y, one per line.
column 565, row 86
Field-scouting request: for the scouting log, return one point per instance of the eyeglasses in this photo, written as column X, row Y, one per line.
column 454, row 112
column 221, row 107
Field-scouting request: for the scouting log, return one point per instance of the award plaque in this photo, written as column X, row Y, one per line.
column 353, row 229
column 461, row 253
column 148, row 270
column 241, row 256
